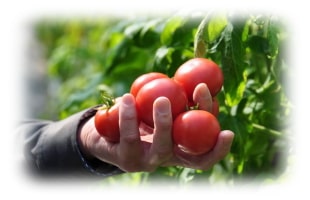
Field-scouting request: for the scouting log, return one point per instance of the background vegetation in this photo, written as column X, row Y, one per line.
column 85, row 56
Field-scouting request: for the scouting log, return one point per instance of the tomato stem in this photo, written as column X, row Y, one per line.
column 193, row 107
column 107, row 100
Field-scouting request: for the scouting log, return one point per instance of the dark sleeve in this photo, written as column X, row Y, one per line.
column 51, row 148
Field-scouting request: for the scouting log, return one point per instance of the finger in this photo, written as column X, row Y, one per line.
column 128, row 121
column 223, row 145
column 118, row 99
column 206, row 161
column 202, row 97
column 221, row 149
column 162, row 147
column 130, row 145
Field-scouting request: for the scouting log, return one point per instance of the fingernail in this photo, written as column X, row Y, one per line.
column 162, row 105
column 206, row 93
column 127, row 100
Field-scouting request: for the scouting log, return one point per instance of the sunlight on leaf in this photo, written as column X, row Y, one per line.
column 215, row 27
column 170, row 27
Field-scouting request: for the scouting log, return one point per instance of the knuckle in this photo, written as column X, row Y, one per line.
column 164, row 119
column 164, row 153
column 128, row 163
column 129, row 115
column 157, row 158
column 131, row 139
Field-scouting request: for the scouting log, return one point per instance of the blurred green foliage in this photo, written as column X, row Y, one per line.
column 84, row 56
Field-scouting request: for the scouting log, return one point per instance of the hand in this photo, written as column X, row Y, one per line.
column 203, row 97
column 138, row 150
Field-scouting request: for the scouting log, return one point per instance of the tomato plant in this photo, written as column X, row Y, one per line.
column 160, row 87
column 106, row 123
column 199, row 70
column 143, row 79
column 87, row 56
column 196, row 131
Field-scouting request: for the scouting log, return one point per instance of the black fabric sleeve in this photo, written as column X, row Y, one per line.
column 51, row 148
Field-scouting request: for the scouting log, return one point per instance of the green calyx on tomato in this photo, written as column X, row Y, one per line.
column 106, row 119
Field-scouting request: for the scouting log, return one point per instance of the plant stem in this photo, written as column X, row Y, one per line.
column 268, row 130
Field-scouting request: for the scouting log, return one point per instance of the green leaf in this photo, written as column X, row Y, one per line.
column 170, row 27
column 162, row 59
column 258, row 44
column 132, row 30
column 272, row 36
column 168, row 59
column 215, row 27
column 117, row 51
column 200, row 46
column 234, row 97
column 233, row 64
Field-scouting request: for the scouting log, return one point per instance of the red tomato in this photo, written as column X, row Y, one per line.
column 143, row 79
column 160, row 87
column 196, row 131
column 199, row 70
column 106, row 123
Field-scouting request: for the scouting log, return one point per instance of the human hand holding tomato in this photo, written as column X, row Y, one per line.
column 138, row 150
column 163, row 122
column 133, row 152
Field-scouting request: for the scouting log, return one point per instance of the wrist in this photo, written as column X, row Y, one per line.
column 83, row 137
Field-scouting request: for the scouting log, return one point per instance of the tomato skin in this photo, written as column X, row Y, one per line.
column 196, row 131
column 151, row 91
column 106, row 123
column 199, row 70
column 143, row 79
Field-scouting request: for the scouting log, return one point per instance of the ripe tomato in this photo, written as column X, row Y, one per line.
column 143, row 79
column 151, row 91
column 195, row 131
column 199, row 70
column 106, row 123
